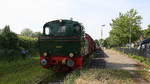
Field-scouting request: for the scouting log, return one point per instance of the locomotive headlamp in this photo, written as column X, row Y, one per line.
column 70, row 63
column 43, row 62
column 44, row 54
column 71, row 54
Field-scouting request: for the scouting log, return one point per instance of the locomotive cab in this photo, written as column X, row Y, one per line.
column 60, row 45
column 62, row 29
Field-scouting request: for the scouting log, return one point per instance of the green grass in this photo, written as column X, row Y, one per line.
column 70, row 78
column 141, row 59
column 99, row 76
column 22, row 71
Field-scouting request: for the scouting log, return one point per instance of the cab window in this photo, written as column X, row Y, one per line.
column 62, row 29
column 47, row 31
column 77, row 29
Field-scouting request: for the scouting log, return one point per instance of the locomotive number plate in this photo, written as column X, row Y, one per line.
column 59, row 46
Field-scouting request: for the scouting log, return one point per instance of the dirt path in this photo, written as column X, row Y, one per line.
column 116, row 60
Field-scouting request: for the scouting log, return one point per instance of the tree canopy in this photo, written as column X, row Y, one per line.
column 36, row 34
column 127, row 25
column 146, row 32
column 8, row 38
column 27, row 32
column 30, row 33
column 11, row 45
column 0, row 31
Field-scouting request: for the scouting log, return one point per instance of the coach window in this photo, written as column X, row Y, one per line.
column 47, row 30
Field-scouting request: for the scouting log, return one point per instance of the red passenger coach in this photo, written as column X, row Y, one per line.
column 91, row 44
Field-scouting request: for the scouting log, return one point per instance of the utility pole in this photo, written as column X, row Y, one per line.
column 102, row 33
column 130, row 34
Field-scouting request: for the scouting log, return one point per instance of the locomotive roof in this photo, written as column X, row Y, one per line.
column 61, row 20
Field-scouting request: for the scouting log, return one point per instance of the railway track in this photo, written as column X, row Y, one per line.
column 98, row 61
column 55, row 78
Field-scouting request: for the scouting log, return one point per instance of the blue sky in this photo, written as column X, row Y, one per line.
column 20, row 14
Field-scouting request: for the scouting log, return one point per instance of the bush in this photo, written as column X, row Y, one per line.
column 12, row 45
column 28, row 43
column 9, row 40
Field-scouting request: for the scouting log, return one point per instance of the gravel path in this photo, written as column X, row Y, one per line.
column 116, row 60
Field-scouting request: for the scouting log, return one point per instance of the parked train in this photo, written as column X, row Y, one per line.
column 64, row 45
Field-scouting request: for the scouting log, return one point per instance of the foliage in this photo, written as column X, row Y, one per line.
column 141, row 59
column 27, row 42
column 147, row 32
column 124, row 25
column 36, row 34
column 97, row 42
column 0, row 31
column 106, row 43
column 27, row 32
column 22, row 71
column 8, row 39
column 101, row 41
column 9, row 48
column 11, row 45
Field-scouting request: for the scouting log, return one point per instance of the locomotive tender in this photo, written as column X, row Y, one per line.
column 64, row 45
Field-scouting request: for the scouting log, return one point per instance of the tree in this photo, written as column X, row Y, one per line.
column 36, row 34
column 146, row 32
column 9, row 48
column 126, row 26
column 6, row 29
column 9, row 39
column 106, row 42
column 0, row 31
column 27, row 32
column 97, row 42
column 101, row 41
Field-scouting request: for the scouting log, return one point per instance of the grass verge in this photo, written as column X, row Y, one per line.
column 99, row 76
column 22, row 72
column 141, row 59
